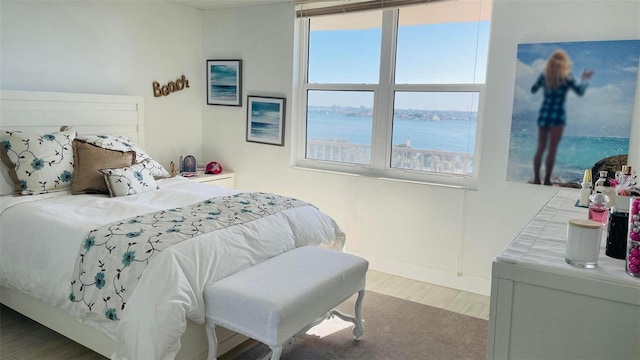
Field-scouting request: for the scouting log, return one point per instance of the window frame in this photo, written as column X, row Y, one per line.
column 383, row 108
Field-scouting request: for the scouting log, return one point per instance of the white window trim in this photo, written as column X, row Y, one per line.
column 382, row 130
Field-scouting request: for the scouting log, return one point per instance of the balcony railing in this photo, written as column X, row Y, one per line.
column 402, row 157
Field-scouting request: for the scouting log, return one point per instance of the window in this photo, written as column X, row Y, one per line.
column 394, row 93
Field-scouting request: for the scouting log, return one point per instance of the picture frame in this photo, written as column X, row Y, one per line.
column 189, row 164
column 596, row 125
column 265, row 120
column 224, row 82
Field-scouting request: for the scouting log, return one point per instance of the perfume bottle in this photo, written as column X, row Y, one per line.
column 585, row 192
column 602, row 185
column 599, row 208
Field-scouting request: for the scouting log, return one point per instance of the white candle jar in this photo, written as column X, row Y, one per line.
column 583, row 243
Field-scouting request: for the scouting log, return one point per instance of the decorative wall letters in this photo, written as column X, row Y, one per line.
column 172, row 86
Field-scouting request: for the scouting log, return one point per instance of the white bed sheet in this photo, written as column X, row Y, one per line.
column 40, row 238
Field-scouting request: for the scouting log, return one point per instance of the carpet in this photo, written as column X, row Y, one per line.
column 395, row 329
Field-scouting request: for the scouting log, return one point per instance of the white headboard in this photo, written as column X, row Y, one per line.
column 35, row 111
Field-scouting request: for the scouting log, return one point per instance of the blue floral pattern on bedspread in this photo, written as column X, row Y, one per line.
column 113, row 257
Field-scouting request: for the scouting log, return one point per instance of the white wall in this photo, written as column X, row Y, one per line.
column 505, row 207
column 435, row 234
column 111, row 48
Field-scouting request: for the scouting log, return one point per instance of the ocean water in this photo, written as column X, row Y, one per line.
column 445, row 135
column 223, row 92
column 575, row 154
column 265, row 131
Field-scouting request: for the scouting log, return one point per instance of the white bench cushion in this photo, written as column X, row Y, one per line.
column 273, row 300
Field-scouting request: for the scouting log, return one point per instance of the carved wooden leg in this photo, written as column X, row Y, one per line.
column 276, row 351
column 358, row 329
column 213, row 342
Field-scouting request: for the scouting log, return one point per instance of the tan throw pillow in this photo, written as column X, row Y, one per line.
column 88, row 160
column 123, row 143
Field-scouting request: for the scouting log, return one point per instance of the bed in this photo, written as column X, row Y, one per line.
column 46, row 237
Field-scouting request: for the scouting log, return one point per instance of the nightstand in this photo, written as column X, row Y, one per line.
column 225, row 179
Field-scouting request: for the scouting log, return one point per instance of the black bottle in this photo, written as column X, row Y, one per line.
column 617, row 235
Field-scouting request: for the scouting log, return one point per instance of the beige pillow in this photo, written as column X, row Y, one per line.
column 88, row 160
column 123, row 143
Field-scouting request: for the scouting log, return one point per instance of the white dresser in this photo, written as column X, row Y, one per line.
column 544, row 308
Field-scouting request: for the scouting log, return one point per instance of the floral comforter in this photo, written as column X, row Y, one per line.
column 113, row 257
column 151, row 318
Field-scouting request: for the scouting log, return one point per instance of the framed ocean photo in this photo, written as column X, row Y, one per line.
column 224, row 82
column 265, row 120
column 573, row 107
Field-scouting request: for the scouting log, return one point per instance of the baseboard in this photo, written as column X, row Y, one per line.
column 426, row 274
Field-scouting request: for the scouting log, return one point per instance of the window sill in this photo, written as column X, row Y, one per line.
column 465, row 183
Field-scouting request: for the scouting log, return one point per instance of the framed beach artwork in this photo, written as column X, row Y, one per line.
column 224, row 82
column 265, row 120
column 572, row 107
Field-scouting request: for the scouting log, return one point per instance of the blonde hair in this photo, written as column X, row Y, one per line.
column 558, row 69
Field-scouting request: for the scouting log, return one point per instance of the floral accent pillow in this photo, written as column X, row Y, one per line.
column 131, row 180
column 124, row 144
column 38, row 163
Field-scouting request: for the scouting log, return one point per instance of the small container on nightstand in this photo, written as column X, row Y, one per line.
column 224, row 179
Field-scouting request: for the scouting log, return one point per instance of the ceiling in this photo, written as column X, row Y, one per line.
column 218, row 4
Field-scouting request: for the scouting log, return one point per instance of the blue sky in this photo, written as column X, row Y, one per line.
column 607, row 106
column 223, row 75
column 431, row 54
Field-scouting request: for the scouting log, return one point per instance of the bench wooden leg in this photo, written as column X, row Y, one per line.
column 213, row 342
column 274, row 354
column 276, row 351
column 358, row 330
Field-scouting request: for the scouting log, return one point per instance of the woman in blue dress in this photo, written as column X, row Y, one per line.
column 556, row 80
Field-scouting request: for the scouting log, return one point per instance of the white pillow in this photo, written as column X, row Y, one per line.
column 124, row 144
column 40, row 163
column 131, row 180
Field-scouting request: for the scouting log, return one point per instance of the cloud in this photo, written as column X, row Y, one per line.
column 601, row 109
column 526, row 76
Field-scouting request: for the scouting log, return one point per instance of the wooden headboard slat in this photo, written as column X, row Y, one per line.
column 37, row 111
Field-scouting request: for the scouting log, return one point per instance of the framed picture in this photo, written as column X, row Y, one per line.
column 592, row 123
column 265, row 120
column 189, row 164
column 224, row 82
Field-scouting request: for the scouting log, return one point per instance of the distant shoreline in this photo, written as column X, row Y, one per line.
column 406, row 114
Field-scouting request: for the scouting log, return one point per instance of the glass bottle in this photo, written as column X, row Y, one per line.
column 585, row 192
column 599, row 208
column 632, row 262
column 602, row 185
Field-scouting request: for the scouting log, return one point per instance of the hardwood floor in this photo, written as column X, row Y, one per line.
column 24, row 339
column 433, row 295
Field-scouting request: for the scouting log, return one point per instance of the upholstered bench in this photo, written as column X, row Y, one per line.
column 277, row 299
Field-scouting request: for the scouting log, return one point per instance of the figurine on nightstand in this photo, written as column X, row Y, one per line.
column 172, row 169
